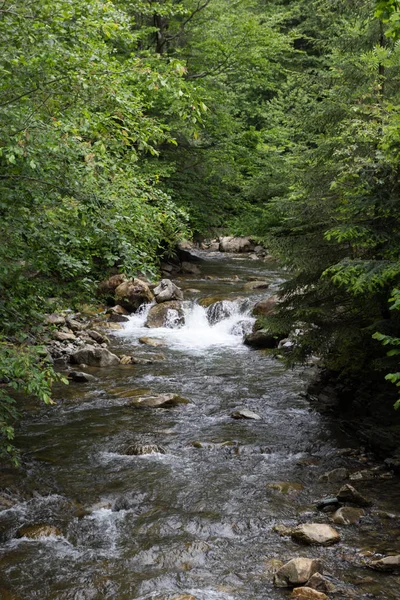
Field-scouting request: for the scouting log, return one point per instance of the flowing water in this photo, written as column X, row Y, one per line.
column 198, row 519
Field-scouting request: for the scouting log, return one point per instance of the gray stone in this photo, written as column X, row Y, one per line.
column 55, row 319
column 108, row 286
column 347, row 515
column 80, row 376
column 167, row 314
column 98, row 337
column 116, row 318
column 320, row 583
column 235, row 244
column 166, row 291
column 63, row 336
column 190, row 268
column 94, row 357
column 388, row 563
column 244, row 413
column 261, row 339
column 141, row 449
column 256, row 285
column 297, row 571
column 318, row 534
column 161, row 401
column 335, row 476
column 349, row 494
column 265, row 307
column 132, row 294
column 117, row 310
column 307, row 593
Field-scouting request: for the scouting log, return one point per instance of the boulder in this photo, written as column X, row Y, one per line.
column 166, row 291
column 349, row 494
column 117, row 310
column 167, row 314
column 35, row 532
column 132, row 294
column 81, row 377
column 256, row 285
column 261, row 339
column 190, row 268
column 235, row 244
column 116, row 318
column 265, row 307
column 297, row 571
column 220, row 310
column 318, row 534
column 161, row 401
column 108, row 286
column 140, row 449
column 94, row 357
column 347, row 515
column 64, row 336
column 244, row 413
column 74, row 324
column 98, row 337
column 388, row 563
column 306, row 593
column 320, row 583
column 335, row 476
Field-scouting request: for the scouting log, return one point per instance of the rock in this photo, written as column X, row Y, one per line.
column 335, row 476
column 166, row 291
column 116, row 318
column 317, row 534
column 220, row 310
column 235, row 244
column 98, row 337
column 108, row 286
column 286, row 487
column 256, row 285
column 161, row 401
column 190, row 268
column 244, row 413
column 320, row 583
column 168, row 314
column 265, row 307
column 140, row 449
column 206, row 302
column 154, row 342
column 117, row 310
column 261, row 339
column 346, row 515
column 137, row 360
column 80, row 376
column 132, row 294
column 307, row 593
column 35, row 532
column 328, row 502
column 55, row 319
column 74, row 324
column 297, row 571
column 94, row 357
column 388, row 564
column 125, row 360
column 349, row 494
column 282, row 530
column 64, row 336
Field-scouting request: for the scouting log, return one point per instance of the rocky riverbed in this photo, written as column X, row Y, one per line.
column 183, row 464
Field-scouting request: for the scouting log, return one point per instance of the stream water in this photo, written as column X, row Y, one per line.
column 198, row 519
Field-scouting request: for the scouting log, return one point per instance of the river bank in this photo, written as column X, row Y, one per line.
column 210, row 513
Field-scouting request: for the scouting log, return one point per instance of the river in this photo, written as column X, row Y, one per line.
column 199, row 519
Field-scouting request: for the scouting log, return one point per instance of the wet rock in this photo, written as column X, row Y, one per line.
column 349, row 494
column 153, row 342
column 75, row 325
column 206, row 302
column 388, row 563
column 347, row 515
column 6, row 502
column 140, row 449
column 98, row 337
column 265, row 307
column 64, row 336
column 190, row 268
column 161, row 401
column 318, row 534
column 108, row 286
column 320, row 583
column 35, row 532
column 137, row 360
column 244, row 413
column 167, row 314
column 297, row 571
column 223, row 309
column 94, row 357
column 307, row 593
column 235, row 244
column 116, row 318
column 117, row 310
column 166, row 291
column 81, row 377
column 184, row 597
column 261, row 339
column 55, row 319
column 256, row 285
column 328, row 502
column 282, row 530
column 132, row 294
column 286, row 487
column 335, row 476
column 125, row 360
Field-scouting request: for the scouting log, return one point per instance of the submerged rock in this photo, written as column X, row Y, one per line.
column 320, row 583
column 306, row 593
column 81, row 377
column 286, row 487
column 167, row 314
column 190, row 269
column 140, row 449
column 161, row 401
column 347, row 515
column 244, row 413
column 317, row 534
column 265, row 307
column 35, row 532
column 154, row 342
column 349, row 494
column 297, row 571
column 94, row 357
column 166, row 291
column 256, row 285
column 335, row 476
column 261, row 339
column 223, row 309
column 388, row 563
column 132, row 294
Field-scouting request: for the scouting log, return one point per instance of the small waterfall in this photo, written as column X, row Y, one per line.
column 221, row 324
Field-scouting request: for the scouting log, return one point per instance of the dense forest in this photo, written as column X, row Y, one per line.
column 127, row 126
